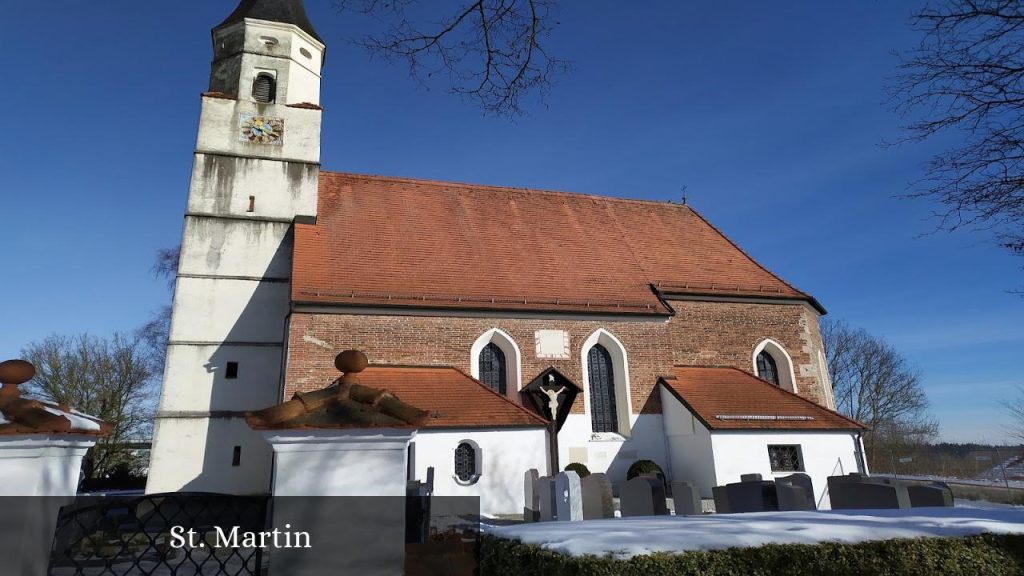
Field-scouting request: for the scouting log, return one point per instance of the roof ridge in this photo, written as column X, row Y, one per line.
column 783, row 391
column 498, row 188
column 505, row 398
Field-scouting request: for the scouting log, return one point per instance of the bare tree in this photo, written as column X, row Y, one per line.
column 107, row 378
column 967, row 76
column 1015, row 410
column 156, row 331
column 492, row 51
column 874, row 384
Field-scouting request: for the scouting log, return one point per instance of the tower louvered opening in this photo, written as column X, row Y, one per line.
column 264, row 89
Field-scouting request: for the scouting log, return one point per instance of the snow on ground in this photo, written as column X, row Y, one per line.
column 629, row 537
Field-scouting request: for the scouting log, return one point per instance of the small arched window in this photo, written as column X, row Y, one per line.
column 264, row 89
column 493, row 370
column 603, row 411
column 767, row 370
column 466, row 463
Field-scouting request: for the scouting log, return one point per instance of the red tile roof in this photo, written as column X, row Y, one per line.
column 731, row 399
column 29, row 416
column 451, row 399
column 401, row 242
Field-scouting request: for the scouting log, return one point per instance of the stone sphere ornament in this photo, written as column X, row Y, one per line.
column 16, row 372
column 351, row 361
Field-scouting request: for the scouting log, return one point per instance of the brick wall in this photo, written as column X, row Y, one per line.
column 702, row 333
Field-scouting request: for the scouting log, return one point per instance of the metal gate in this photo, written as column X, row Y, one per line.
column 174, row 534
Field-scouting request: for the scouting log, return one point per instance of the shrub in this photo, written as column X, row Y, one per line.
column 644, row 467
column 580, row 469
column 989, row 554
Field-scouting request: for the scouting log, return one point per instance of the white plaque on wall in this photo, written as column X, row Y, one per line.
column 552, row 344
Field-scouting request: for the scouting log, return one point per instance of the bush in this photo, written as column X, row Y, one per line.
column 579, row 469
column 644, row 467
column 989, row 554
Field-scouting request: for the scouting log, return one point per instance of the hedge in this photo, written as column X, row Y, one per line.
column 986, row 554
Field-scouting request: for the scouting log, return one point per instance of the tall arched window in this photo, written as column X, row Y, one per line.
column 603, row 413
column 466, row 463
column 264, row 89
column 767, row 370
column 493, row 369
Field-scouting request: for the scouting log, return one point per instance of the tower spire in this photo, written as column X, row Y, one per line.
column 283, row 11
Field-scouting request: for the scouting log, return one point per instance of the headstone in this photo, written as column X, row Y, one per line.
column 643, row 496
column 568, row 497
column 866, row 493
column 750, row 477
column 721, row 495
column 935, row 494
column 531, row 490
column 795, row 492
column 548, row 509
column 756, row 496
column 686, row 499
column 597, row 497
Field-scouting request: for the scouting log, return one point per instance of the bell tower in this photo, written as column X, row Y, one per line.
column 255, row 173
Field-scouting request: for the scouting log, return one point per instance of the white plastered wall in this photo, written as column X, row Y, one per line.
column 504, row 457
column 41, row 465
column 823, row 454
column 689, row 445
column 199, row 456
column 340, row 462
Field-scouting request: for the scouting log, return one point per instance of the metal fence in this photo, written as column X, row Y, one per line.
column 158, row 535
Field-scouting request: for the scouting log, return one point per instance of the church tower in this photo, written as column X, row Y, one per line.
column 256, row 172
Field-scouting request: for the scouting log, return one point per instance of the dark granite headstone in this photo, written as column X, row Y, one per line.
column 643, row 496
column 937, row 494
column 752, row 497
column 861, row 492
column 721, row 496
column 686, row 499
column 792, row 499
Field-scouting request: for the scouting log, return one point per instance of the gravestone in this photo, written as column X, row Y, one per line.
column 643, row 496
column 755, row 496
column 750, row 477
column 937, row 494
column 597, row 497
column 548, row 508
column 721, row 496
column 795, row 492
column 568, row 497
column 686, row 499
column 856, row 492
column 531, row 490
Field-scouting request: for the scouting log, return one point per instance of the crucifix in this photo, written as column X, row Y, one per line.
column 552, row 395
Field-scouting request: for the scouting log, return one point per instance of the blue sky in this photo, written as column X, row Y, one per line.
column 772, row 114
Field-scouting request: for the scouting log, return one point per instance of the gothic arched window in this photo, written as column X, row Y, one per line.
column 264, row 89
column 466, row 462
column 767, row 370
column 493, row 370
column 603, row 411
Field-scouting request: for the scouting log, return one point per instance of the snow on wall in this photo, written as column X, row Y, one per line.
column 506, row 455
column 823, row 454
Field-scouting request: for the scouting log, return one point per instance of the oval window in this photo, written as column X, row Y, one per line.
column 305, row 53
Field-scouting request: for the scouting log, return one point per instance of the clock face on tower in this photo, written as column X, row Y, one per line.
column 261, row 129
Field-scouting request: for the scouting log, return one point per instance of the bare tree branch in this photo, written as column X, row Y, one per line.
column 967, row 76
column 491, row 50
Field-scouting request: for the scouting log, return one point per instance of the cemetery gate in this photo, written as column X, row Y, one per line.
column 132, row 536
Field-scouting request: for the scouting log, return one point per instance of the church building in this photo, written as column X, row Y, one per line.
column 505, row 328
